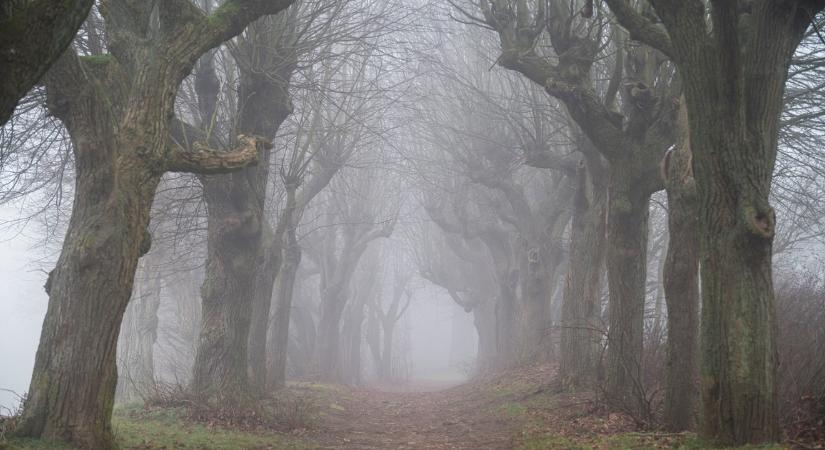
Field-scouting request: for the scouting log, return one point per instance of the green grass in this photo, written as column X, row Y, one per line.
column 166, row 429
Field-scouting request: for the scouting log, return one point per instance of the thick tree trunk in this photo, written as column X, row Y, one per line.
column 75, row 373
column 233, row 237
column 269, row 107
column 736, row 229
column 117, row 109
column 627, row 232
column 734, row 83
column 580, row 323
column 681, row 286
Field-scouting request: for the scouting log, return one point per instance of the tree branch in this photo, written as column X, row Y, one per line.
column 33, row 34
column 205, row 160
column 640, row 27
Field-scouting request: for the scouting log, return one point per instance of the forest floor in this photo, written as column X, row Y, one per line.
column 515, row 410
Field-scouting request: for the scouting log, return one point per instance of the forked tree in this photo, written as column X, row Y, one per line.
column 733, row 58
column 118, row 108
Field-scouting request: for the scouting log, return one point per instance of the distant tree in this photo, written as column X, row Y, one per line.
column 629, row 121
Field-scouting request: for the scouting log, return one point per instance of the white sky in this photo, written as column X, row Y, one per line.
column 22, row 307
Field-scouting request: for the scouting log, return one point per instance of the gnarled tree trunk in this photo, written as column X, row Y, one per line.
column 117, row 109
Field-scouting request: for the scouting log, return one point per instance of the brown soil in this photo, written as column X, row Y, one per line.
column 415, row 417
column 432, row 415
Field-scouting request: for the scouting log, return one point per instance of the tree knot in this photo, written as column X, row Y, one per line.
column 760, row 222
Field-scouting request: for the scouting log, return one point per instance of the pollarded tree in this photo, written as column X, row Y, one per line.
column 266, row 58
column 117, row 108
column 629, row 121
column 463, row 268
column 476, row 122
column 33, row 35
column 734, row 59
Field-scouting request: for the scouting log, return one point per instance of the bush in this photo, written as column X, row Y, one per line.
column 800, row 308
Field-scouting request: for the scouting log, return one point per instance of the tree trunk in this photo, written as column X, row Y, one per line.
column 329, row 334
column 268, row 267
column 354, row 337
column 506, row 315
column 681, row 285
column 75, row 373
column 302, row 357
column 280, row 325
column 118, row 111
column 627, row 230
column 136, row 342
column 580, row 336
column 235, row 204
column 536, row 293
column 484, row 320
column 233, row 237
column 385, row 372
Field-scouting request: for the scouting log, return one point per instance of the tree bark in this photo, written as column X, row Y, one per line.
column 239, row 266
column 681, row 286
column 286, row 286
column 117, row 109
column 734, row 83
column 627, row 230
column 233, row 235
column 75, row 373
column 580, row 322
column 33, row 35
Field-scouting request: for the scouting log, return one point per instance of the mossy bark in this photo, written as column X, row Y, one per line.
column 118, row 113
column 681, row 286
column 627, row 233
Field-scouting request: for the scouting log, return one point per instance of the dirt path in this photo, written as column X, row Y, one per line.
column 415, row 417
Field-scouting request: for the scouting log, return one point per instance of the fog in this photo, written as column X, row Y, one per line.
column 22, row 307
column 412, row 224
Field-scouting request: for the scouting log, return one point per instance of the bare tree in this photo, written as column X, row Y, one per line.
column 116, row 108
column 722, row 52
